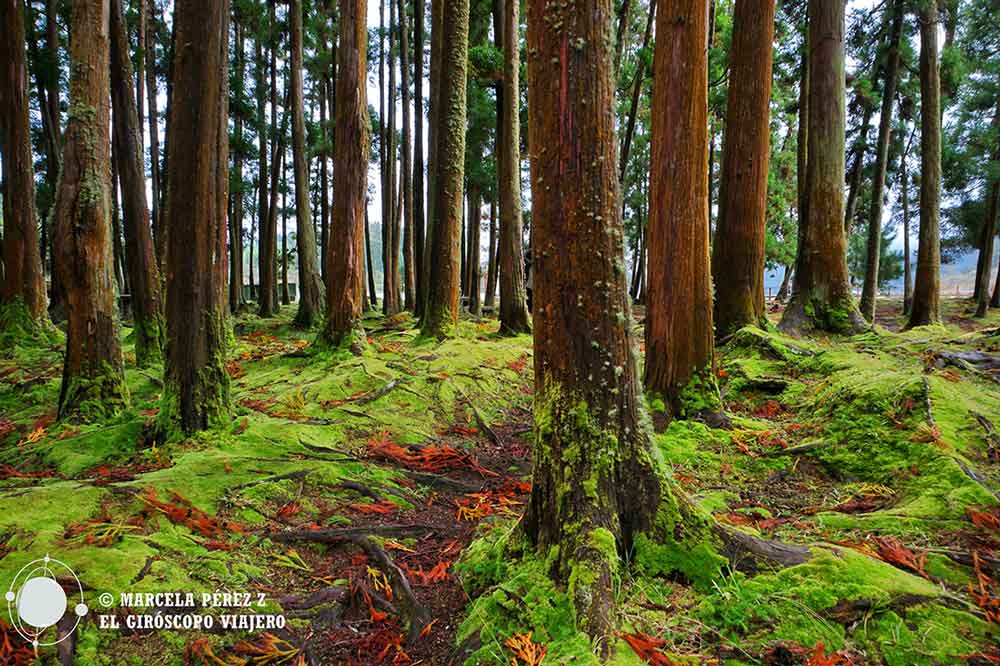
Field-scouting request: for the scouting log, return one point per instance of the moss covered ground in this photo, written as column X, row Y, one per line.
column 877, row 451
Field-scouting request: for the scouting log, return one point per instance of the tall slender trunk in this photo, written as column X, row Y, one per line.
column 93, row 383
column 153, row 120
column 441, row 313
column 285, row 297
column 236, row 299
column 926, row 306
column 324, row 199
column 869, row 291
column 406, row 176
column 463, row 283
column 143, row 272
column 513, row 293
column 345, row 267
column 196, row 384
column 640, row 75
column 419, row 237
column 312, row 297
column 989, row 231
column 391, row 304
column 680, row 352
column 857, row 168
column 491, row 283
column 821, row 297
column 117, row 251
column 433, row 120
column 264, row 296
column 738, row 251
column 621, row 33
column 369, row 264
column 23, row 283
column 475, row 245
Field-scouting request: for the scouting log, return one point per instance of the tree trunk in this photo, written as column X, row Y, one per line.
column 23, row 285
column 464, row 253
column 406, row 177
column 93, row 382
column 680, row 363
column 989, row 231
column 117, row 251
column 926, row 306
column 390, row 269
column 433, row 120
column 786, row 280
column 143, row 273
column 285, row 297
column 869, row 291
column 312, row 301
column 624, row 16
column 153, row 119
column 738, row 251
column 441, row 313
column 196, row 384
column 475, row 245
column 857, row 170
column 345, row 270
column 491, row 284
column 905, row 196
column 513, row 294
column 821, row 297
column 640, row 75
column 369, row 264
column 236, row 300
column 324, row 200
column 419, row 239
column 597, row 490
column 265, row 250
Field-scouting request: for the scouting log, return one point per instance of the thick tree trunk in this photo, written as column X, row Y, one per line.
column 597, row 490
column 513, row 294
column 23, row 285
column 869, row 291
column 312, row 300
column 738, row 251
column 441, row 313
column 93, row 383
column 345, row 270
column 143, row 273
column 679, row 338
column 419, row 236
column 406, row 177
column 196, row 384
column 926, row 306
column 821, row 297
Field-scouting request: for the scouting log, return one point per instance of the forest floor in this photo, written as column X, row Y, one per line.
column 372, row 501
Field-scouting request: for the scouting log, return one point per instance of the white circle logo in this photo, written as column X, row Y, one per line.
column 36, row 600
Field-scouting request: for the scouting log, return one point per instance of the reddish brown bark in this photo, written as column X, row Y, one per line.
column 406, row 176
column 140, row 258
column 419, row 234
column 345, row 268
column 196, row 384
column 679, row 337
column 738, row 251
column 23, row 281
column 92, row 370
column 821, row 295
column 441, row 313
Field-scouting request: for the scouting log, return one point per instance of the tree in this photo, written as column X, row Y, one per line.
column 821, row 295
column 22, row 298
column 926, row 305
column 419, row 235
column 311, row 296
column 738, row 251
column 144, row 275
column 870, row 289
column 196, row 384
column 599, row 492
column 236, row 194
column 267, row 297
column 513, row 295
column 345, row 267
column 82, row 252
column 679, row 337
column 989, row 227
column 153, row 120
column 406, row 176
column 441, row 312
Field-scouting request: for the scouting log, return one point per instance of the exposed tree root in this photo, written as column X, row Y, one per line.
column 751, row 554
column 978, row 363
column 805, row 447
column 335, row 535
column 978, row 478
